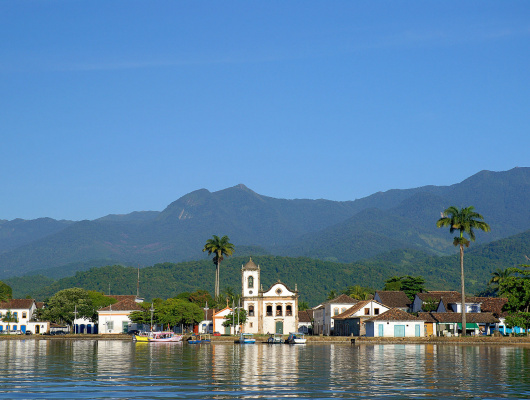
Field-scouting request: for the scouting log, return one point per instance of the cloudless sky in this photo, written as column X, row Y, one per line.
column 120, row 106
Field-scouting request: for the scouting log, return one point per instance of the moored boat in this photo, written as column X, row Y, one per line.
column 199, row 339
column 246, row 338
column 164, row 337
column 275, row 339
column 296, row 338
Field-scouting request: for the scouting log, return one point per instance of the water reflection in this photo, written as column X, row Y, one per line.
column 116, row 369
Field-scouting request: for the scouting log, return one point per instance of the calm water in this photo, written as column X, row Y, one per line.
column 61, row 369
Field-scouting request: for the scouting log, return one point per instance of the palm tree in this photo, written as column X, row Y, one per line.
column 219, row 248
column 498, row 276
column 464, row 220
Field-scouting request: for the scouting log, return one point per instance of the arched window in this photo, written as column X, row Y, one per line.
column 269, row 310
column 279, row 310
column 250, row 281
column 288, row 310
column 250, row 311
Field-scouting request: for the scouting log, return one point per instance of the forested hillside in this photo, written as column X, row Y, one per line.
column 347, row 231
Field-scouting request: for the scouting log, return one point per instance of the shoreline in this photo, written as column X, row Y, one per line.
column 347, row 340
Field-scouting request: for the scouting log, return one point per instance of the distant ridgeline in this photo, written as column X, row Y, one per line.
column 387, row 233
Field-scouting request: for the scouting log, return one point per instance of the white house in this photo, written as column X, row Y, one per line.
column 352, row 321
column 274, row 310
column 22, row 311
column 323, row 314
column 115, row 318
column 395, row 323
column 433, row 297
column 393, row 299
column 218, row 318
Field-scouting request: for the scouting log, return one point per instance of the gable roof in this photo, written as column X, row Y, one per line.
column 342, row 299
column 395, row 314
column 446, row 300
column 436, row 295
column 352, row 310
column 452, row 317
column 17, row 304
column 393, row 298
column 305, row 316
column 494, row 305
column 123, row 305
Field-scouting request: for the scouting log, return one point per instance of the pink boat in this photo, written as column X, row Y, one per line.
column 164, row 337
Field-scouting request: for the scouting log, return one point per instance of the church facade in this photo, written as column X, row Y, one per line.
column 274, row 310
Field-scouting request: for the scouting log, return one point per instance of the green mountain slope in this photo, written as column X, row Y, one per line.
column 345, row 231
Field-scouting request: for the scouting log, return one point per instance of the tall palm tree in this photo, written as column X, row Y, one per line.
column 464, row 220
column 219, row 248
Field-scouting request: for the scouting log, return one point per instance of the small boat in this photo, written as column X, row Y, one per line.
column 141, row 337
column 246, row 338
column 296, row 338
column 199, row 338
column 164, row 337
column 275, row 339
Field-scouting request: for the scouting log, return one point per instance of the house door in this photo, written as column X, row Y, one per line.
column 279, row 327
column 227, row 330
column 381, row 328
column 418, row 331
column 399, row 330
column 37, row 329
column 23, row 328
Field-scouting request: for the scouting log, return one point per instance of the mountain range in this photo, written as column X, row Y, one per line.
column 336, row 231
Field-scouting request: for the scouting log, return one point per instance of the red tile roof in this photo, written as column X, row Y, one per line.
column 124, row 305
column 305, row 316
column 394, row 298
column 17, row 304
column 452, row 317
column 395, row 314
column 493, row 305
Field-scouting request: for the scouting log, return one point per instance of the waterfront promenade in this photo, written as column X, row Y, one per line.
column 487, row 340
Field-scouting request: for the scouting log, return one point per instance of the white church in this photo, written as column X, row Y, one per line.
column 274, row 310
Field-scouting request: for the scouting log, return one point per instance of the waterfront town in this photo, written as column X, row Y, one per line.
column 274, row 309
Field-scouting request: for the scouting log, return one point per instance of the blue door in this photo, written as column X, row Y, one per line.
column 381, row 328
column 399, row 330
column 23, row 328
column 418, row 330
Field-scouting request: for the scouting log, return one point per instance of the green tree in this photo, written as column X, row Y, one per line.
column 9, row 318
column 464, row 220
column 303, row 305
column 332, row 295
column 6, row 292
column 178, row 311
column 60, row 307
column 99, row 300
column 358, row 292
column 232, row 318
column 499, row 275
column 219, row 247
column 408, row 284
column 519, row 318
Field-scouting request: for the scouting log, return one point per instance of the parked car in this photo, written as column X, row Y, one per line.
column 29, row 333
column 216, row 334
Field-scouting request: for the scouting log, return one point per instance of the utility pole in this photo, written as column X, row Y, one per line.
column 75, row 317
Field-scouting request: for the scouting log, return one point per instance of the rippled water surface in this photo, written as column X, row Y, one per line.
column 59, row 369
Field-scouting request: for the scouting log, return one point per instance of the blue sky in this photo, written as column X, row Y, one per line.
column 120, row 106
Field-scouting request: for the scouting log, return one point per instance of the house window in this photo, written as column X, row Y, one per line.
column 250, row 281
column 15, row 315
column 250, row 311
column 279, row 311
column 376, row 311
column 251, row 324
column 24, row 315
column 289, row 310
column 336, row 311
column 342, row 310
column 366, row 311
column 110, row 325
column 269, row 311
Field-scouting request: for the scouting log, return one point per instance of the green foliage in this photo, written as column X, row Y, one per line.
column 99, row 300
column 516, row 288
column 61, row 306
column 177, row 311
column 521, row 319
column 408, row 284
column 429, row 304
column 332, row 295
column 233, row 318
column 6, row 292
column 302, row 305
column 358, row 292
column 219, row 247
